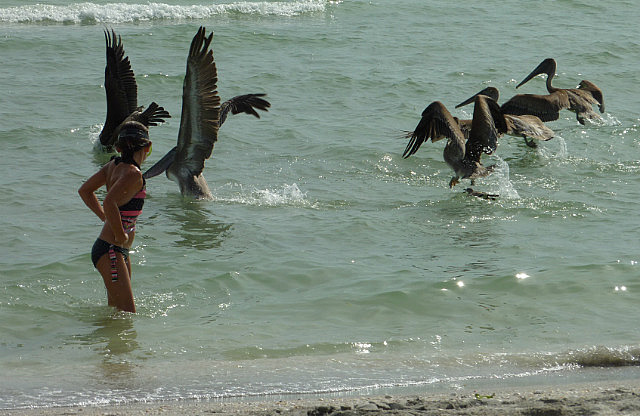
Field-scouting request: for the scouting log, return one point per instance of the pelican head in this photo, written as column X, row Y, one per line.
column 548, row 66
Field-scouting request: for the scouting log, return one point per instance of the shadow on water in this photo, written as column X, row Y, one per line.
column 114, row 340
column 197, row 229
column 119, row 341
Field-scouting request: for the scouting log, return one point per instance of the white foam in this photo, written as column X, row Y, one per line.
column 501, row 173
column 287, row 195
column 555, row 148
column 606, row 119
column 122, row 13
column 94, row 134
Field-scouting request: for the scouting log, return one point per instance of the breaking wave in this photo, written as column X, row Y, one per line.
column 112, row 13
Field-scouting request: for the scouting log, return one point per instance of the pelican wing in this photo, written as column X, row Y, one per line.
column 149, row 117
column 546, row 107
column 436, row 123
column 595, row 92
column 120, row 86
column 153, row 115
column 247, row 103
column 465, row 126
column 581, row 101
column 200, row 106
column 161, row 165
column 487, row 125
column 529, row 126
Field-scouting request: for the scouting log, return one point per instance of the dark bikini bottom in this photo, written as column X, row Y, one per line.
column 100, row 248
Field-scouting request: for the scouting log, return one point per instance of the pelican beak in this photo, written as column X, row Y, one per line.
column 468, row 101
column 531, row 75
column 543, row 68
column 490, row 92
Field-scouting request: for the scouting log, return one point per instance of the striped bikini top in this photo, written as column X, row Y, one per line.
column 130, row 211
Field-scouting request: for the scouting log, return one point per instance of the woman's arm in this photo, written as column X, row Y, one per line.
column 119, row 193
column 87, row 192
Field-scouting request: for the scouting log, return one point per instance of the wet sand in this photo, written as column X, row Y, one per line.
column 607, row 398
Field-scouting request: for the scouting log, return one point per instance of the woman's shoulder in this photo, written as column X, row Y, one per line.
column 125, row 172
column 129, row 172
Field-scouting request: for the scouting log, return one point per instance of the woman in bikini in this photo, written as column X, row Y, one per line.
column 119, row 211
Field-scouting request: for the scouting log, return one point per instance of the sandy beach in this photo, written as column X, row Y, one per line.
column 608, row 398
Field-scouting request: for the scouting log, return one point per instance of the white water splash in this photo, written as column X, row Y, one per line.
column 124, row 13
column 559, row 144
column 287, row 195
column 505, row 186
column 562, row 151
column 94, row 134
column 610, row 120
column 606, row 119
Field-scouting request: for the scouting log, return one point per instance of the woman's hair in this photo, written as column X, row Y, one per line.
column 132, row 137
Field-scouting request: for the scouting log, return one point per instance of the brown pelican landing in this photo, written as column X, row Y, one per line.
column 202, row 116
column 526, row 126
column 199, row 121
column 122, row 94
column 462, row 155
column 580, row 100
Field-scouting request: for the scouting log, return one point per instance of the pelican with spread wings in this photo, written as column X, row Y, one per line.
column 122, row 94
column 202, row 116
column 461, row 154
column 198, row 130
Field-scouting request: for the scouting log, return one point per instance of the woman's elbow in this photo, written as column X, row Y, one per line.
column 83, row 191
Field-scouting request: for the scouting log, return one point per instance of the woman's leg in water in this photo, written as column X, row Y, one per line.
column 119, row 292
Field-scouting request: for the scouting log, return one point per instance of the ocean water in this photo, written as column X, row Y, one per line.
column 326, row 263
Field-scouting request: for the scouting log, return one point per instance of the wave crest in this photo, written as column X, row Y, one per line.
column 601, row 356
column 124, row 13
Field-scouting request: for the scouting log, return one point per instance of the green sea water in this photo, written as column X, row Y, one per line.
column 325, row 263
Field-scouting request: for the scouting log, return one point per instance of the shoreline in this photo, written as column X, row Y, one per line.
column 599, row 398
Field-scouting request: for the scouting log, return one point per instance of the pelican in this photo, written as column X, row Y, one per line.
column 122, row 94
column 526, row 126
column 463, row 156
column 580, row 100
column 198, row 127
column 198, row 130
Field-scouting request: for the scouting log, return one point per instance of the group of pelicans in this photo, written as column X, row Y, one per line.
column 522, row 116
column 202, row 111
column 203, row 114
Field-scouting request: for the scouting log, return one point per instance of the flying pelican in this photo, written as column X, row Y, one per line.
column 526, row 126
column 463, row 156
column 581, row 99
column 122, row 94
column 185, row 162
